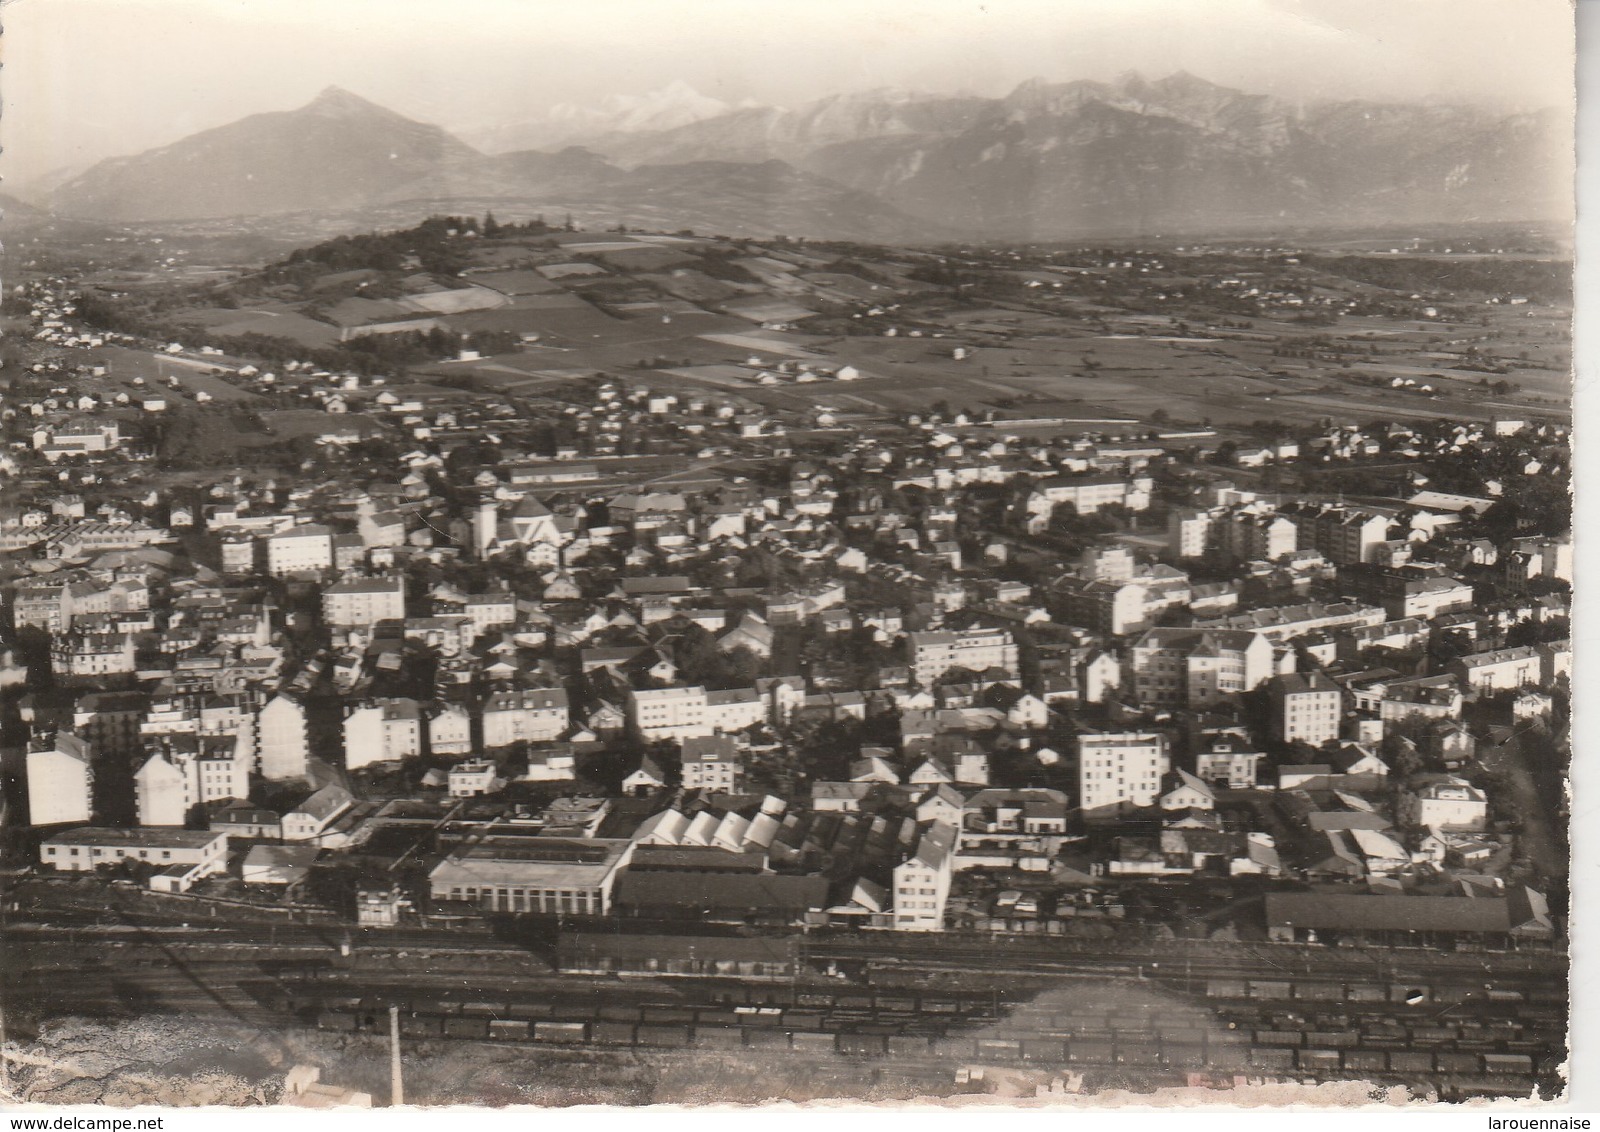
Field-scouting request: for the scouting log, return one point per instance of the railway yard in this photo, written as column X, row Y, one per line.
column 902, row 1028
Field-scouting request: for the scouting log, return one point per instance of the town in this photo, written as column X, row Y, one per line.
column 633, row 592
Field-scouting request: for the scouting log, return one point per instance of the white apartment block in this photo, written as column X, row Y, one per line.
column 1197, row 666
column 1089, row 495
column 380, row 731
column 362, row 602
column 282, row 744
column 307, row 548
column 735, row 709
column 535, row 715
column 922, row 881
column 1190, row 533
column 1499, row 671
column 1307, row 708
column 60, row 778
column 670, row 713
column 935, row 653
column 171, row 783
column 449, row 730
column 1121, row 768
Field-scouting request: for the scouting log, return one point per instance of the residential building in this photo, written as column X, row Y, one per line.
column 474, row 778
column 1498, row 671
column 60, row 779
column 188, row 773
column 363, row 602
column 1117, row 769
column 1346, row 535
column 922, row 880
column 533, row 715
column 312, row 817
column 710, row 762
column 304, row 549
column 282, row 742
column 670, row 713
column 1197, row 667
column 935, row 653
column 1451, row 805
column 1306, row 707
column 449, row 730
column 383, row 730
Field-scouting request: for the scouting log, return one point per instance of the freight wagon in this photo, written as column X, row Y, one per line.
column 808, row 1042
column 1129, row 1054
column 863, row 1045
column 612, row 1033
column 1268, row 989
column 1272, row 1058
column 718, row 1037
column 463, row 1027
column 1332, row 1039
column 1365, row 1061
column 662, row 1035
column 1463, row 1063
column 561, row 1033
column 1176, row 1056
column 1277, row 1037
column 421, row 1025
column 758, row 1038
column 1409, row 1061
column 1319, row 992
column 1317, row 1059
column 1090, row 1052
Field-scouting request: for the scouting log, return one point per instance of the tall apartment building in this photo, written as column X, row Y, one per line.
column 1306, row 707
column 282, row 743
column 362, row 602
column 172, row 782
column 1107, row 564
column 383, row 730
column 1197, row 667
column 670, row 713
column 935, row 653
column 1121, row 768
column 60, row 778
column 449, row 730
column 1190, row 532
column 1346, row 535
column 922, row 880
column 1259, row 536
column 534, row 715
column 303, row 549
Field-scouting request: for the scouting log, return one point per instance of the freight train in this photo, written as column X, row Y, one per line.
column 948, row 1028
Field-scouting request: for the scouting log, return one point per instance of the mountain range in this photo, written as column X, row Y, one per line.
column 1049, row 160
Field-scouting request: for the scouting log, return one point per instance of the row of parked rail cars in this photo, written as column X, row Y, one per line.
column 1405, row 993
column 1335, row 1040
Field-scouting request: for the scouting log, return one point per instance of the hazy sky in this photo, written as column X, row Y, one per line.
column 87, row 79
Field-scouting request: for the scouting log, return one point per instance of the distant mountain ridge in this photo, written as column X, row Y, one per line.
column 1048, row 160
column 677, row 104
